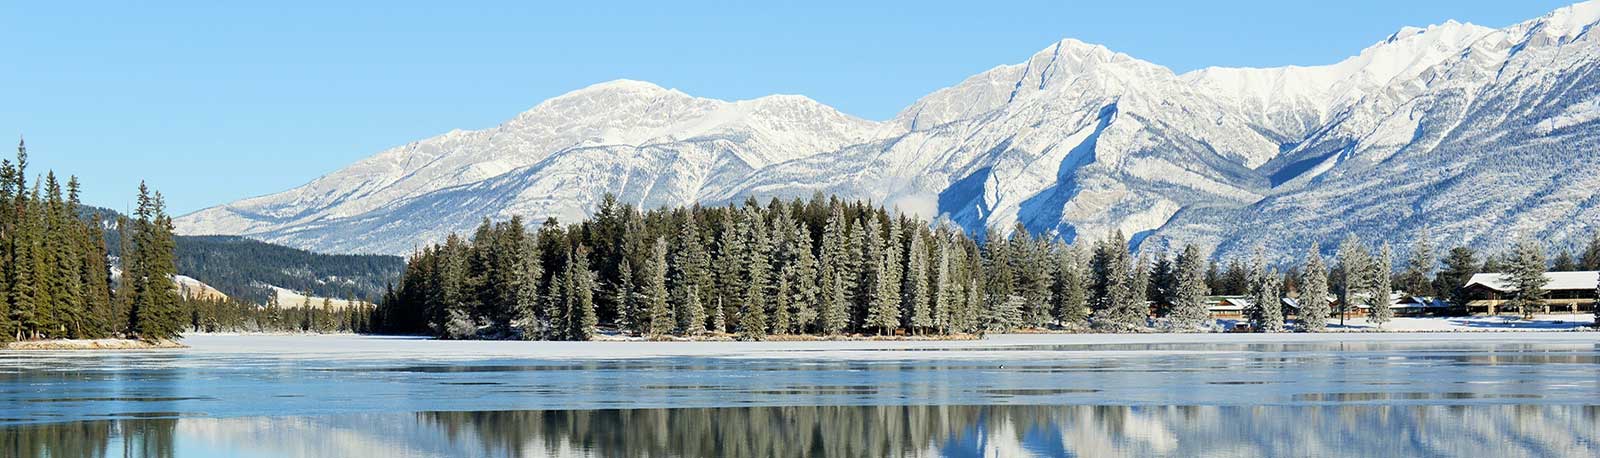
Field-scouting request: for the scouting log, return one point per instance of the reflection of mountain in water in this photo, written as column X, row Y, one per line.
column 866, row 431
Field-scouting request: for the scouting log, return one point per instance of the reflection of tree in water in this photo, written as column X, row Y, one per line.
column 756, row 431
column 867, row 431
column 133, row 438
column 1491, row 430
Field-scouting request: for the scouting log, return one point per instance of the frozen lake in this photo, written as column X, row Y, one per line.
column 1439, row 394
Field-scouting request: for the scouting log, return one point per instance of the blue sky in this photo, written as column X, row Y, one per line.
column 212, row 103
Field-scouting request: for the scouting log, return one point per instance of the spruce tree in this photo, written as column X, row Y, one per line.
column 885, row 311
column 690, row 274
column 1382, row 290
column 1314, row 292
column 1119, row 306
column 1459, row 266
column 659, row 314
column 1419, row 267
column 946, row 290
column 803, row 280
column 1266, row 304
column 1525, row 276
column 1353, row 268
column 1189, row 291
column 917, row 294
column 758, row 289
column 834, row 313
column 1591, row 254
column 582, row 297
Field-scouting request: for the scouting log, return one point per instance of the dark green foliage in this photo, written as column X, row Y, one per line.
column 55, row 278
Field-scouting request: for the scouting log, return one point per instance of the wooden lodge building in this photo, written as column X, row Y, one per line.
column 1566, row 292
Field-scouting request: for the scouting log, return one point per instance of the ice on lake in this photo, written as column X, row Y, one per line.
column 1523, row 394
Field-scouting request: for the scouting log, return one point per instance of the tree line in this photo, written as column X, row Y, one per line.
column 830, row 267
column 56, row 277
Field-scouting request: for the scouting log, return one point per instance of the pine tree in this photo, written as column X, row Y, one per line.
column 1314, row 292
column 1266, row 305
column 582, row 297
column 659, row 314
column 757, row 283
column 732, row 260
column 530, row 266
column 1163, row 283
column 1459, row 266
column 691, row 274
column 1591, row 254
column 1119, row 308
column 802, row 275
column 1419, row 267
column 834, row 312
column 917, row 294
column 947, row 291
column 1382, row 290
column 884, row 313
column 1564, row 262
column 1189, row 291
column 1525, row 276
column 1353, row 268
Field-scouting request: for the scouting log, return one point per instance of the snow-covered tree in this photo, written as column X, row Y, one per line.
column 1525, row 276
column 1314, row 293
column 1189, row 291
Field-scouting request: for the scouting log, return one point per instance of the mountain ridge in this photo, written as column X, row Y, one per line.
column 1077, row 139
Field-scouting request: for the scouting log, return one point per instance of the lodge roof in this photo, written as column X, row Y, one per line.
column 1579, row 280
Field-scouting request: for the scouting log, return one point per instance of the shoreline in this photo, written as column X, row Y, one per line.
column 92, row 344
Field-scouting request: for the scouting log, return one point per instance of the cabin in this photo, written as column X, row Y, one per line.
column 1565, row 292
column 1235, row 307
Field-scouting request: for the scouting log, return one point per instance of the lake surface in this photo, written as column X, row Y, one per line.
column 1499, row 394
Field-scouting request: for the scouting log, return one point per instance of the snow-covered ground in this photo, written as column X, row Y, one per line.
column 289, row 299
column 346, row 346
column 1558, row 322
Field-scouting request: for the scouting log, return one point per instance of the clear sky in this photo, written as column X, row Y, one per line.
column 215, row 101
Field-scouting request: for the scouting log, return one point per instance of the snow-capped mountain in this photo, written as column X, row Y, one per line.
column 1499, row 140
column 1473, row 132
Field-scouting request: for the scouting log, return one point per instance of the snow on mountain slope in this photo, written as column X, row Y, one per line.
column 1468, row 130
column 1501, row 140
column 1077, row 139
column 627, row 117
column 1288, row 102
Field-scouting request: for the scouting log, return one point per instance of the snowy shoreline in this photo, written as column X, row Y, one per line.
column 92, row 344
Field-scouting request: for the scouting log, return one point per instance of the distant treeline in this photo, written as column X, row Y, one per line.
column 243, row 268
column 830, row 267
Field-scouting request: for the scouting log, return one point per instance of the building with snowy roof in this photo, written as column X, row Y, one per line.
column 1566, row 292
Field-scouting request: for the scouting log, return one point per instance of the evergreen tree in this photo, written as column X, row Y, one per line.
column 802, row 275
column 1119, row 306
column 1266, row 304
column 834, row 313
column 1382, row 292
column 1591, row 254
column 1564, row 262
column 1416, row 280
column 752, row 313
column 1354, row 263
column 1314, row 292
column 917, row 293
column 581, row 297
column 1189, row 292
column 1163, row 283
column 660, row 320
column 1459, row 266
column 690, row 274
column 1525, row 276
column 884, row 314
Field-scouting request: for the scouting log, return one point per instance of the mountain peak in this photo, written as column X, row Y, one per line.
column 1570, row 21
